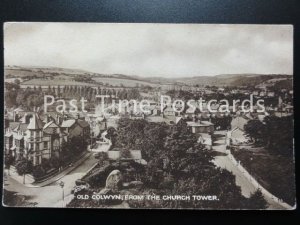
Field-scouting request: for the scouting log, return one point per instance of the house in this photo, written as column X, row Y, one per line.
column 262, row 93
column 53, row 137
column 38, row 139
column 169, row 111
column 169, row 120
column 135, row 155
column 76, row 127
column 156, row 111
column 271, row 94
column 201, row 127
column 24, row 138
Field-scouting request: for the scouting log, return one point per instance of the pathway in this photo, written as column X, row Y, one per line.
column 51, row 195
column 223, row 161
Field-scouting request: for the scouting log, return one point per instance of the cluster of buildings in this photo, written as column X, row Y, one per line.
column 37, row 136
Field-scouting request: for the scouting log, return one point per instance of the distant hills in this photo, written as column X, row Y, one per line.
column 233, row 79
column 258, row 80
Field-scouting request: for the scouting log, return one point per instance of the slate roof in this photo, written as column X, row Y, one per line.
column 68, row 123
column 21, row 126
column 83, row 123
column 13, row 125
column 35, row 123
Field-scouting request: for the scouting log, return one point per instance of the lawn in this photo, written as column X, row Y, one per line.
column 69, row 81
column 55, row 82
column 124, row 82
column 276, row 173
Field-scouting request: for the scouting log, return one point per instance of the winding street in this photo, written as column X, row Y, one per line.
column 51, row 194
column 223, row 161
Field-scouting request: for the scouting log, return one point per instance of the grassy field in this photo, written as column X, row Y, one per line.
column 105, row 80
column 274, row 172
column 125, row 82
column 55, row 82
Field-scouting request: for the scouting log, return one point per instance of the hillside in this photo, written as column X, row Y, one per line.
column 41, row 75
column 123, row 82
column 232, row 79
column 62, row 76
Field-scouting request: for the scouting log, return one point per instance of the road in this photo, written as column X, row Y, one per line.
column 51, row 195
column 223, row 161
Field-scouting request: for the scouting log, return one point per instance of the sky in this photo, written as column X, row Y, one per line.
column 151, row 50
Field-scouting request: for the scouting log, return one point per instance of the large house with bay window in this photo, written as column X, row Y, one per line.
column 35, row 138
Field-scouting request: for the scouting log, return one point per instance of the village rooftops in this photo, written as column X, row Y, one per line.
column 13, row 125
column 21, row 127
column 8, row 134
column 18, row 136
column 191, row 110
column 35, row 123
column 68, row 123
column 178, row 119
column 19, row 110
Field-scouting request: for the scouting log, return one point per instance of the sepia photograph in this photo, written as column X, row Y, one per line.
column 148, row 116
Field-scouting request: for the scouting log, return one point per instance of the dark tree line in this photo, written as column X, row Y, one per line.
column 274, row 133
column 178, row 165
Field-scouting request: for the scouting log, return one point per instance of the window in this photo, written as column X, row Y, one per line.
column 45, row 144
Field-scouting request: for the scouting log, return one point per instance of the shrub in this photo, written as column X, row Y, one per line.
column 38, row 171
column 46, row 164
column 125, row 154
column 23, row 166
column 54, row 162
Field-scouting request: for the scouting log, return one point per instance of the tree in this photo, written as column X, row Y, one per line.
column 133, row 94
column 256, row 130
column 8, row 162
column 20, row 97
column 17, row 81
column 53, row 91
column 49, row 91
column 257, row 201
column 173, row 152
column 23, row 167
column 10, row 98
column 58, row 91
column 111, row 134
column 268, row 134
column 276, row 141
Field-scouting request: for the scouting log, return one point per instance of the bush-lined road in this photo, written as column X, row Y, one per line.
column 51, row 195
column 223, row 161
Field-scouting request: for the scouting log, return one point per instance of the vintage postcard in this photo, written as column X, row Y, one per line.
column 168, row 116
